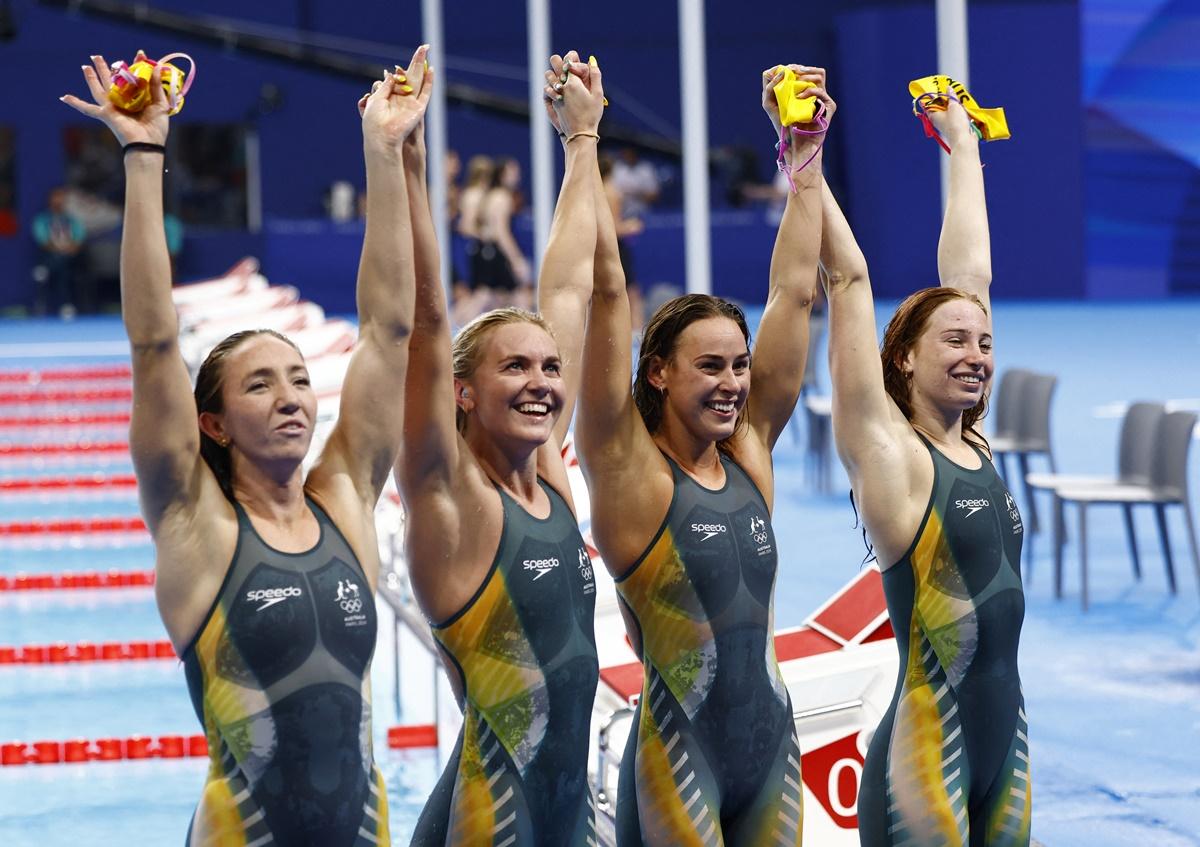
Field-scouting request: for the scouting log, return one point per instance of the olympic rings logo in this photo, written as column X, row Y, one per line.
column 351, row 607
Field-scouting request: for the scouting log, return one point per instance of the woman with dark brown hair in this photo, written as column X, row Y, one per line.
column 681, row 486
column 265, row 577
column 949, row 763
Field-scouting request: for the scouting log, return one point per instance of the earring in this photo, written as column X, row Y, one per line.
column 224, row 442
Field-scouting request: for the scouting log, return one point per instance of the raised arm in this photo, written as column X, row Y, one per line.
column 964, row 248
column 781, row 350
column 609, row 433
column 864, row 416
column 164, row 436
column 363, row 446
column 429, row 455
column 565, row 281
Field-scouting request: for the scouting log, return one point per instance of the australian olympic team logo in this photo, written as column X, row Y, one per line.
column 348, row 597
column 585, row 571
column 760, row 535
column 1013, row 514
column 758, row 530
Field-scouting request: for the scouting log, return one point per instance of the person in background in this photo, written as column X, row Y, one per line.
column 470, row 298
column 505, row 271
column 637, row 182
column 628, row 227
column 173, row 227
column 60, row 237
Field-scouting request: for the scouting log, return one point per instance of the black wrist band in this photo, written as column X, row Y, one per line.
column 143, row 146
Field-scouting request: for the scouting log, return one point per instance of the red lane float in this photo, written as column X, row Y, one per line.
column 90, row 373
column 67, row 483
column 134, row 747
column 80, row 395
column 62, row 653
column 71, row 526
column 64, row 420
column 408, row 737
column 72, row 581
column 78, row 750
column 18, row 451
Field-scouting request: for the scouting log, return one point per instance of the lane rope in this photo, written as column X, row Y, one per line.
column 96, row 373
column 72, row 581
column 103, row 482
column 72, row 526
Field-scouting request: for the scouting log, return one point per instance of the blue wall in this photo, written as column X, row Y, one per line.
column 1024, row 58
column 878, row 160
column 1142, row 90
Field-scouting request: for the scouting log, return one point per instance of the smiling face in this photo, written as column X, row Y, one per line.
column 269, row 407
column 951, row 363
column 515, row 393
column 706, row 380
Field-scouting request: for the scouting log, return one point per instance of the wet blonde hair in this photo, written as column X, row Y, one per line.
column 468, row 343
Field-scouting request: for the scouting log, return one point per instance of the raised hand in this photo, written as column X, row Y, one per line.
column 149, row 126
column 952, row 122
column 395, row 107
column 574, row 94
column 811, row 135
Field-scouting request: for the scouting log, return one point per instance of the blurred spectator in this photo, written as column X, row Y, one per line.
column 469, row 297
column 504, row 270
column 8, row 212
column 637, row 181
column 627, row 228
column 174, row 229
column 60, row 237
column 8, row 169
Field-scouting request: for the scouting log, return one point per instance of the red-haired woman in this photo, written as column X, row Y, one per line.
column 949, row 763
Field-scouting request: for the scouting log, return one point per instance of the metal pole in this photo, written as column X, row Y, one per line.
column 952, row 59
column 254, row 213
column 435, row 139
column 695, row 146
column 541, row 154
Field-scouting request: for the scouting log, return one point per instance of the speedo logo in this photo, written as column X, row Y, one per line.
column 709, row 529
column 972, row 506
column 542, row 566
column 270, row 596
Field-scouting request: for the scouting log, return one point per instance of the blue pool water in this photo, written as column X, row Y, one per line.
column 121, row 803
column 1113, row 695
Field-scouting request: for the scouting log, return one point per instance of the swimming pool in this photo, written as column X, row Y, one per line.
column 133, row 802
column 126, row 802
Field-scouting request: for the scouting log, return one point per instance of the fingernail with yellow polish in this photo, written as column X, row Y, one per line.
column 592, row 61
column 407, row 89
